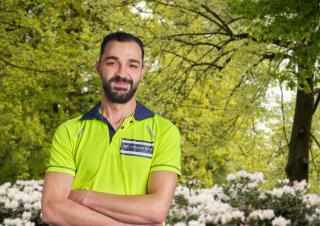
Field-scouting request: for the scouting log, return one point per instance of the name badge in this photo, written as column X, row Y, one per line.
column 136, row 148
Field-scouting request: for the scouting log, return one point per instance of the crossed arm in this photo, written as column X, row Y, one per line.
column 62, row 206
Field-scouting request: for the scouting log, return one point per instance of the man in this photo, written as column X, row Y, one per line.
column 118, row 163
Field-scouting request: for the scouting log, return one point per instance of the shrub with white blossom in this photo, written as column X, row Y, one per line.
column 20, row 203
column 239, row 202
column 243, row 202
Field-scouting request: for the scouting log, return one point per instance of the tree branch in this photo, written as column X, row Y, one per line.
column 225, row 26
column 197, row 34
column 27, row 68
column 315, row 139
column 283, row 117
column 197, row 43
column 316, row 103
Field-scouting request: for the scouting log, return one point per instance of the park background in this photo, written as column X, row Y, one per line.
column 240, row 79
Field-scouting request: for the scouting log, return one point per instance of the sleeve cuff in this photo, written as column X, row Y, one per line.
column 163, row 167
column 61, row 169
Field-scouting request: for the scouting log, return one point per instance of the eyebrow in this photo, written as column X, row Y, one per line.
column 117, row 59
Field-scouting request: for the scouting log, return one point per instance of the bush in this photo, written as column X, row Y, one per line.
column 239, row 202
column 20, row 203
column 242, row 201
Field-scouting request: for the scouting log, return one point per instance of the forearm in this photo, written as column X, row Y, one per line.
column 151, row 208
column 68, row 213
column 143, row 209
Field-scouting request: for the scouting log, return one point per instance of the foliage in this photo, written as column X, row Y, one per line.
column 243, row 48
column 47, row 54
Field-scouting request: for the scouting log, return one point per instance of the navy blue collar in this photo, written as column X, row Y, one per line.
column 140, row 113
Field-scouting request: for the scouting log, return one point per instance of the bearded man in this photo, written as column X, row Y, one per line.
column 117, row 164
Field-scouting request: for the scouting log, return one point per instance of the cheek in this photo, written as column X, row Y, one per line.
column 106, row 72
column 137, row 79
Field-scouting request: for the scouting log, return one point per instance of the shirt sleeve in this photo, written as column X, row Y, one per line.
column 168, row 152
column 61, row 155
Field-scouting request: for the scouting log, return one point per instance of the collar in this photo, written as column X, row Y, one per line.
column 141, row 113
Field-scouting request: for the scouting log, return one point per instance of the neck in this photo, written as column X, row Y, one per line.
column 115, row 112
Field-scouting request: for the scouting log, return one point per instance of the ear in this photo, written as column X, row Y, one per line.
column 143, row 70
column 98, row 67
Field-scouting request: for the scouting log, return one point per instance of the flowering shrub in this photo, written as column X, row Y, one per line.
column 239, row 202
column 242, row 201
column 20, row 203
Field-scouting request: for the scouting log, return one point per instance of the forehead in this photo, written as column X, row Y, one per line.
column 121, row 50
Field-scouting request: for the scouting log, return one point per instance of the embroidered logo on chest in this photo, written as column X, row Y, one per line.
column 136, row 148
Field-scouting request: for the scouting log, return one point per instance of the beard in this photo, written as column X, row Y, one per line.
column 118, row 94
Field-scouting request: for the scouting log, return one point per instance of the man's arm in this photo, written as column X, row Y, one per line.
column 151, row 208
column 57, row 209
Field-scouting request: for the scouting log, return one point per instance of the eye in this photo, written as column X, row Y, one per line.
column 110, row 63
column 133, row 66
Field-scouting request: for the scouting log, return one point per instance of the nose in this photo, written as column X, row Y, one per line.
column 122, row 72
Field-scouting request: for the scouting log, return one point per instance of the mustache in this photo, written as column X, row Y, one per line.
column 120, row 79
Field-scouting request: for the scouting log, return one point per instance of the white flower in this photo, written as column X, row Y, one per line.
column 26, row 215
column 268, row 214
column 13, row 222
column 255, row 215
column 195, row 223
column 180, row 224
column 184, row 191
column 300, row 186
column 288, row 190
column 28, row 223
column 237, row 214
column 257, row 177
column 180, row 213
column 262, row 195
column 242, row 174
column 11, row 192
column 252, row 185
column 280, row 221
column 311, row 199
column 277, row 192
column 27, row 206
column 203, row 197
column 225, row 218
column 11, row 205
column 231, row 177
column 4, row 187
column 261, row 215
column 85, row 89
column 218, row 193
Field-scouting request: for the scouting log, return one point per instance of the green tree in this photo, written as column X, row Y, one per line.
column 293, row 28
column 48, row 51
column 249, row 41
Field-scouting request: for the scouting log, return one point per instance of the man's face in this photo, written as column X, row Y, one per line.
column 121, row 69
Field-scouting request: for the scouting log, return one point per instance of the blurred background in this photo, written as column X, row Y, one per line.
column 239, row 79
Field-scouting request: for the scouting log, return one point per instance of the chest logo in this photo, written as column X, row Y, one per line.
column 136, row 148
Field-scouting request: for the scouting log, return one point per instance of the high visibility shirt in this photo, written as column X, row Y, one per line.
column 118, row 162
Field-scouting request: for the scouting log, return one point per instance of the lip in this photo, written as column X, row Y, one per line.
column 121, row 84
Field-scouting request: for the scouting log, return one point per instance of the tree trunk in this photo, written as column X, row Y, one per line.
column 300, row 141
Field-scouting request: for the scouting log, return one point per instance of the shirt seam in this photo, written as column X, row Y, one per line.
column 166, row 165
column 62, row 167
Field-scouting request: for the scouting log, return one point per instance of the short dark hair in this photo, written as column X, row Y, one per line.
column 121, row 36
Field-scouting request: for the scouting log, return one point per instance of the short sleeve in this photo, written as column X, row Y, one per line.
column 168, row 152
column 61, row 155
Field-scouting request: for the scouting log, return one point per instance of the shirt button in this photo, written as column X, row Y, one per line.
column 131, row 121
column 122, row 127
